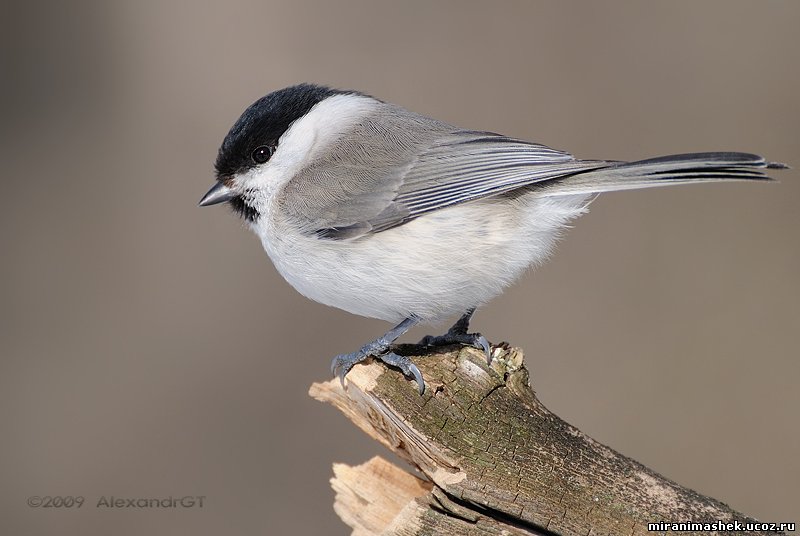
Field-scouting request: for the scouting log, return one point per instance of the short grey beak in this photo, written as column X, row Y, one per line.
column 219, row 193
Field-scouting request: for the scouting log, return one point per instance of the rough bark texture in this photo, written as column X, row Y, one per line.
column 493, row 458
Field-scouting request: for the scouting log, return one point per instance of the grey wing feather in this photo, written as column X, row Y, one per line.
column 455, row 168
column 467, row 165
column 359, row 176
column 398, row 165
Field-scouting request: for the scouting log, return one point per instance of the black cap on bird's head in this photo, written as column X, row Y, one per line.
column 263, row 123
column 254, row 137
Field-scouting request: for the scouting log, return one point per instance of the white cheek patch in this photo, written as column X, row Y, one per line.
column 304, row 141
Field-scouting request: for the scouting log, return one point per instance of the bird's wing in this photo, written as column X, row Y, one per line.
column 469, row 165
column 396, row 173
column 398, row 166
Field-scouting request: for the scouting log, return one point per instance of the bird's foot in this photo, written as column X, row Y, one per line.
column 475, row 340
column 342, row 364
column 379, row 349
column 458, row 335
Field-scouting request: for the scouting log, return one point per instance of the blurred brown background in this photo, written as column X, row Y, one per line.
column 148, row 348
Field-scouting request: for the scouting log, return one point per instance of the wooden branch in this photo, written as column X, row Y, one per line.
column 493, row 458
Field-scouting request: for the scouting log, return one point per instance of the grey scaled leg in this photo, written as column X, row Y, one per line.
column 458, row 335
column 378, row 349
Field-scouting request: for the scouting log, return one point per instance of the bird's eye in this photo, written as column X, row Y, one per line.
column 262, row 154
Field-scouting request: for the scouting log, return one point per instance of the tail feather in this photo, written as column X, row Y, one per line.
column 665, row 170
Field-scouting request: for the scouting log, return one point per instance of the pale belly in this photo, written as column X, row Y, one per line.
column 434, row 267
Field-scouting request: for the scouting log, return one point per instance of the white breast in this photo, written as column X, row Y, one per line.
column 434, row 267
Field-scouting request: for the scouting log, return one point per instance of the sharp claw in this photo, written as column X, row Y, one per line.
column 407, row 366
column 417, row 376
column 336, row 371
column 486, row 348
column 340, row 366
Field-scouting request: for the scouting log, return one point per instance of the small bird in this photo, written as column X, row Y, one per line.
column 385, row 213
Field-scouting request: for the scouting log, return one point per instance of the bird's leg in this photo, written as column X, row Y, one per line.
column 458, row 335
column 378, row 348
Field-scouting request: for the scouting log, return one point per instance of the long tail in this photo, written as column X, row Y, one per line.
column 663, row 171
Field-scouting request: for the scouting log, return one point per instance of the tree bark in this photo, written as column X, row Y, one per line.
column 492, row 458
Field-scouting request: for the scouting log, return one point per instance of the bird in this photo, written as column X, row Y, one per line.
column 377, row 210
